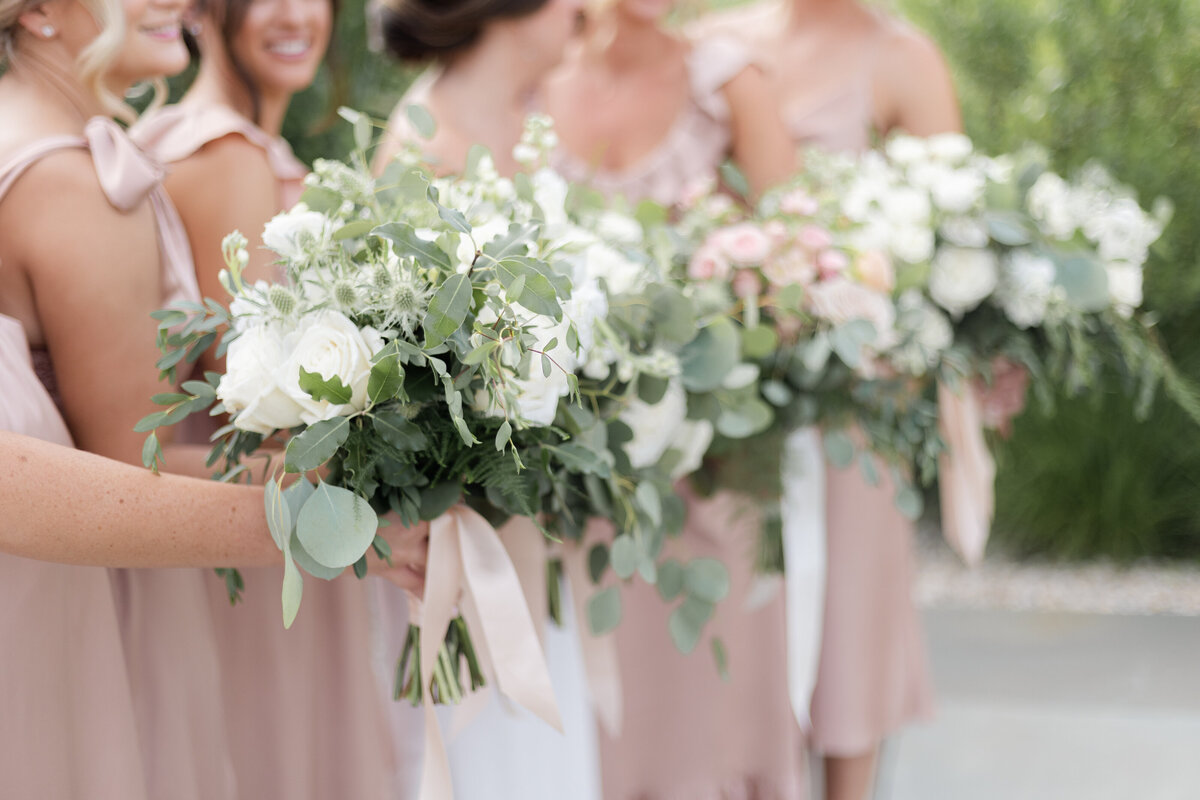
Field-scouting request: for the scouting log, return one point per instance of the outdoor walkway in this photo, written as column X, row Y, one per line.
column 1050, row 704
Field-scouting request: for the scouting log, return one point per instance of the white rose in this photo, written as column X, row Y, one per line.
column 958, row 191
column 587, row 304
column 924, row 333
column 1122, row 231
column 619, row 228
column 620, row 274
column 654, row 426
column 961, row 278
column 951, row 147
column 964, row 232
column 904, row 205
column 1050, row 203
column 298, row 233
column 912, row 243
column 1124, row 287
column 250, row 387
column 691, row 442
column 329, row 344
column 1026, row 289
column 907, row 150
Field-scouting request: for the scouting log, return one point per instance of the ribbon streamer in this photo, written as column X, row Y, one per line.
column 966, row 473
column 468, row 566
column 803, row 518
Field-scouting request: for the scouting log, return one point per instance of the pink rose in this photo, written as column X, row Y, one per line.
column 708, row 263
column 798, row 203
column 815, row 238
column 832, row 263
column 744, row 244
column 776, row 231
column 792, row 266
column 875, row 270
column 839, row 301
column 695, row 191
column 746, row 283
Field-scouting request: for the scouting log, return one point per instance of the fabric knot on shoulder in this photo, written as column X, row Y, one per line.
column 127, row 175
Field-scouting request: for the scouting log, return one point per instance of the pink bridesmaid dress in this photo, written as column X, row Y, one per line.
column 108, row 679
column 873, row 675
column 67, row 724
column 302, row 705
column 688, row 734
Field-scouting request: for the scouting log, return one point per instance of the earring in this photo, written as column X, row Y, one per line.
column 48, row 31
column 195, row 28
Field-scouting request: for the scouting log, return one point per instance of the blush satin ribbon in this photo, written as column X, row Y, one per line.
column 966, row 473
column 468, row 567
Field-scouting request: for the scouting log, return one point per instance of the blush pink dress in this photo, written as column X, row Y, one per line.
column 115, row 692
column 873, row 676
column 302, row 705
column 688, row 734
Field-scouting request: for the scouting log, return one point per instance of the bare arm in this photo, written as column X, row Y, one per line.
column 72, row 507
column 915, row 92
column 762, row 147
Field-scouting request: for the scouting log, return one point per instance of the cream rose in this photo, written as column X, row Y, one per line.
column 875, row 271
column 298, row 233
column 744, row 244
column 329, row 344
column 250, row 387
column 961, row 278
column 654, row 426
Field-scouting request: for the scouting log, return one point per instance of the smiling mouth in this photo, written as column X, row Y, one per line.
column 171, row 30
column 290, row 48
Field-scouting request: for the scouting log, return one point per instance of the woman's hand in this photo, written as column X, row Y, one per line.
column 1003, row 398
column 410, row 549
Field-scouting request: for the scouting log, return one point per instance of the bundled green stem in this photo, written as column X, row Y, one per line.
column 446, row 683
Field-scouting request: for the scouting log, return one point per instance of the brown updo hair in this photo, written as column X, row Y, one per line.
column 428, row 30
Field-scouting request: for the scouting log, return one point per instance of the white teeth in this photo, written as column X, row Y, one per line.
column 293, row 47
column 162, row 29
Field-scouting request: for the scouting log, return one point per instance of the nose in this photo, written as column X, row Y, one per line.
column 172, row 6
column 294, row 11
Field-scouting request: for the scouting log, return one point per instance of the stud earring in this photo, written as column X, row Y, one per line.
column 48, row 31
column 195, row 28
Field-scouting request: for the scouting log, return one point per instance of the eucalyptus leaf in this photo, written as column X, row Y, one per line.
column 707, row 579
column 316, row 445
column 624, row 556
column 759, row 342
column 422, row 121
column 909, row 502
column 646, row 496
column 687, row 623
column 745, row 420
column 708, row 358
column 839, row 448
column 598, row 561
column 309, row 564
column 670, row 580
column 293, row 588
column 604, row 611
column 503, row 435
column 279, row 514
column 336, row 526
column 850, row 338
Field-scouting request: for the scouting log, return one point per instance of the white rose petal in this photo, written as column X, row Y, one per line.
column 654, row 426
column 691, row 442
column 329, row 344
column 250, row 387
column 1026, row 289
column 1124, row 287
column 912, row 243
column 951, row 147
column 298, row 233
column 961, row 278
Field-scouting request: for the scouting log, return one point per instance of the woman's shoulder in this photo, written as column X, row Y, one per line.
column 905, row 51
column 217, row 136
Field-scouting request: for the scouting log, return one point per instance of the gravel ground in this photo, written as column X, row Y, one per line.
column 1000, row 583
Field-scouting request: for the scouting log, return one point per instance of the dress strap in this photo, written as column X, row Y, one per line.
column 29, row 155
column 126, row 174
column 713, row 62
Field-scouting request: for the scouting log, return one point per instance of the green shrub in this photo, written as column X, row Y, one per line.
column 1120, row 83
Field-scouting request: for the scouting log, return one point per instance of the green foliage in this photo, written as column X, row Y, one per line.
column 1114, row 82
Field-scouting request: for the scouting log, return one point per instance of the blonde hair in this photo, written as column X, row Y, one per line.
column 93, row 63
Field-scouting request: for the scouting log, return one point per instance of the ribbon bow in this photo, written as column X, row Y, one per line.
column 469, row 567
column 127, row 175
